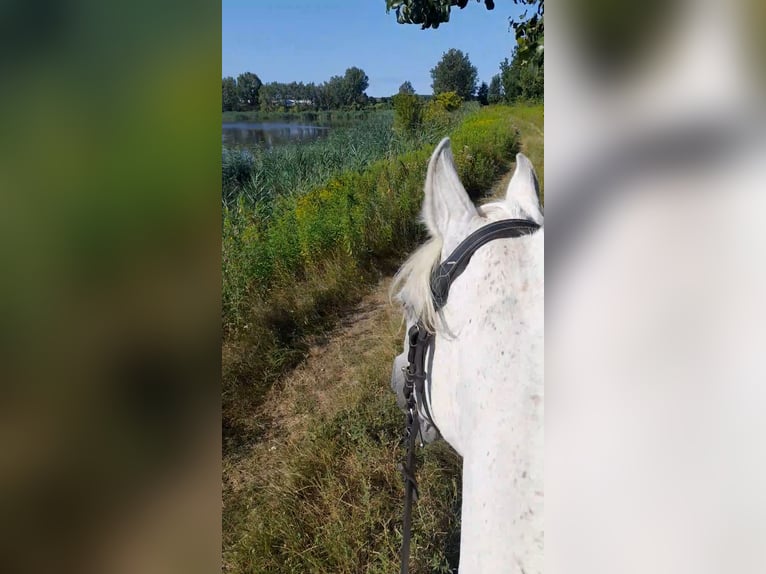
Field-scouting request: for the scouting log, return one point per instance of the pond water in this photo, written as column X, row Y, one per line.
column 269, row 134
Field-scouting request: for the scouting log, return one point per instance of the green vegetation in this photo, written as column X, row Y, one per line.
column 258, row 177
column 482, row 94
column 529, row 30
column 522, row 80
column 408, row 110
column 428, row 13
column 322, row 117
column 519, row 80
column 248, row 93
column 406, row 88
column 310, row 479
column 454, row 73
column 289, row 266
column 324, row 495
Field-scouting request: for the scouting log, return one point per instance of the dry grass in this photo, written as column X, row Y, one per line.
column 320, row 491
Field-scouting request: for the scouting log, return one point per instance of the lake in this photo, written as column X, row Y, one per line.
column 269, row 134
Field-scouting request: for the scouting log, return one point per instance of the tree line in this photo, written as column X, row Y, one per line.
column 520, row 78
column 247, row 92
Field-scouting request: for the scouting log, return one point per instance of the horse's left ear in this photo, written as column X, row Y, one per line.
column 446, row 201
column 523, row 190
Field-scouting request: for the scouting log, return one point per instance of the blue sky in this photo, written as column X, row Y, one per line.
column 312, row 40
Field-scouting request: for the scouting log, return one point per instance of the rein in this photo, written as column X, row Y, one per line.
column 419, row 338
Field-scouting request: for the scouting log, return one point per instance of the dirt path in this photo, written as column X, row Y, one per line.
column 336, row 360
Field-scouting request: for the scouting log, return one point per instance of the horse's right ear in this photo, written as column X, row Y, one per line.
column 446, row 201
column 524, row 189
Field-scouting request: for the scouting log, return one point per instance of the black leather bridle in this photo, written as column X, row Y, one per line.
column 419, row 339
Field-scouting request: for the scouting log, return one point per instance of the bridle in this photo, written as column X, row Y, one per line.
column 416, row 380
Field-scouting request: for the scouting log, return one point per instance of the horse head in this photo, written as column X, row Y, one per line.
column 483, row 367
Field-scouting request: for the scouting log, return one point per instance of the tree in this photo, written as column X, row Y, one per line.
column 428, row 13
column 483, row 94
column 355, row 82
column 229, row 93
column 522, row 80
column 454, row 73
column 529, row 30
column 346, row 90
column 406, row 88
column 248, row 85
column 495, row 93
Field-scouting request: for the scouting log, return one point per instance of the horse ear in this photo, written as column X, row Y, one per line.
column 524, row 188
column 446, row 201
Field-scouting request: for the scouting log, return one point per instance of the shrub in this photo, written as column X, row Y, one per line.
column 450, row 101
column 407, row 112
column 236, row 171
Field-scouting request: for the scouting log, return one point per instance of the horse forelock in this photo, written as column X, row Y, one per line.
column 412, row 283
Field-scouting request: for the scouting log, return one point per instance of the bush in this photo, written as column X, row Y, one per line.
column 439, row 111
column 487, row 142
column 407, row 113
column 450, row 101
column 236, row 171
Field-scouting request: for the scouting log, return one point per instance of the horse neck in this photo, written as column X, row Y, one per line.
column 495, row 371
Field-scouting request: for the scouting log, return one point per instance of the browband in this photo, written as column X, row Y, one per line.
column 451, row 268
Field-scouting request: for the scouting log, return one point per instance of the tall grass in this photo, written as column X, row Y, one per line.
column 328, row 498
column 255, row 178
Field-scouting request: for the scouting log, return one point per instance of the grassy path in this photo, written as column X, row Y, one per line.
column 320, row 492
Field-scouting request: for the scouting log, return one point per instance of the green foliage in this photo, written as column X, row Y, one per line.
column 355, row 82
column 328, row 498
column 406, row 88
column 454, row 73
column 408, row 111
column 428, row 13
column 334, row 118
column 237, row 168
column 248, row 85
column 347, row 91
column 530, row 31
column 450, row 101
column 523, row 80
column 229, row 94
column 483, row 94
column 277, row 232
column 260, row 176
column 484, row 145
column 438, row 111
column 495, row 93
